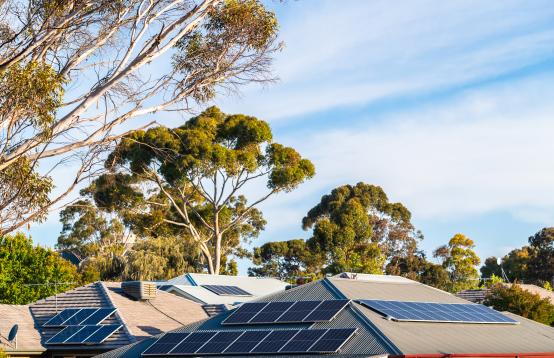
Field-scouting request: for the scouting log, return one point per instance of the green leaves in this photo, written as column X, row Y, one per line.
column 29, row 273
column 459, row 258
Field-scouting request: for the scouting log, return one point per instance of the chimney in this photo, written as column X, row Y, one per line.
column 139, row 290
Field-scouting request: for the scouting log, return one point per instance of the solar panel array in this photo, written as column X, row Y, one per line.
column 251, row 342
column 437, row 312
column 79, row 317
column 89, row 334
column 222, row 290
column 286, row 312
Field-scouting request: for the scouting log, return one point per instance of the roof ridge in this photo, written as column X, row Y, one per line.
column 118, row 315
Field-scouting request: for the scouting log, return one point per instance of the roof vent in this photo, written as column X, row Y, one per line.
column 139, row 290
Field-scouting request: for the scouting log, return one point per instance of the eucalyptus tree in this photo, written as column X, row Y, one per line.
column 460, row 259
column 72, row 72
column 194, row 181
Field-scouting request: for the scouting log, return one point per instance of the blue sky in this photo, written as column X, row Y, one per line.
column 448, row 105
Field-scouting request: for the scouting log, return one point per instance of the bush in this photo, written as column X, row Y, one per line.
column 516, row 300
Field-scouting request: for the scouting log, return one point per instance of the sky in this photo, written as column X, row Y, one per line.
column 447, row 105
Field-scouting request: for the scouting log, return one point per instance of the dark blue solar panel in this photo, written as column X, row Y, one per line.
column 303, row 341
column 271, row 312
column 80, row 316
column 298, row 311
column 58, row 319
column 326, row 311
column 222, row 290
column 98, row 316
column 64, row 334
column 274, row 341
column 193, row 342
column 245, row 313
column 333, row 340
column 219, row 342
column 437, row 312
column 82, row 335
column 166, row 343
column 246, row 342
column 102, row 334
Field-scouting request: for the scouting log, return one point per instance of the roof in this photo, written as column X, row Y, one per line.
column 164, row 313
column 190, row 286
column 378, row 336
column 140, row 319
column 28, row 337
column 476, row 296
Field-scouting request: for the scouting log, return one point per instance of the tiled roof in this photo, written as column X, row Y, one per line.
column 28, row 337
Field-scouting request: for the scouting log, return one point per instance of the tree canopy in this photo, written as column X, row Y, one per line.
column 190, row 181
column 459, row 258
column 29, row 273
column 357, row 229
column 73, row 72
column 514, row 299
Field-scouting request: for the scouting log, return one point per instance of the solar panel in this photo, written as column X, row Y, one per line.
column 61, row 317
column 92, row 334
column 219, row 342
column 98, row 316
column 251, row 342
column 332, row 340
column 299, row 309
column 165, row 344
column 286, row 312
column 274, row 341
column 222, row 290
column 246, row 342
column 437, row 312
column 102, row 334
column 192, row 343
column 83, row 334
column 302, row 341
column 326, row 311
column 245, row 312
column 64, row 334
column 79, row 317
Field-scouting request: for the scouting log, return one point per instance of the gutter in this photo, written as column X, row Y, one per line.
column 469, row 355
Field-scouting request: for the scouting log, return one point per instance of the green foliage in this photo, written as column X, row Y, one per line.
column 3, row 354
column 235, row 27
column 31, row 93
column 162, row 258
column 541, row 260
column 417, row 268
column 516, row 263
column 356, row 228
column 547, row 286
column 188, row 181
column 521, row 302
column 286, row 260
column 460, row 260
column 22, row 263
column 491, row 268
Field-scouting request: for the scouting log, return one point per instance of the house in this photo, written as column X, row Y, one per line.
column 123, row 318
column 354, row 316
column 219, row 292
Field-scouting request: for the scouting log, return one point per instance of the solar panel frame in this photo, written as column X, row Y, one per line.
column 219, row 342
column 246, row 342
column 58, row 319
column 326, row 311
column 226, row 290
column 192, row 343
column 244, row 313
column 271, row 312
column 409, row 311
column 82, row 335
column 302, row 341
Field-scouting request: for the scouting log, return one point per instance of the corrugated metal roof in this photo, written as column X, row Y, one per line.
column 446, row 338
